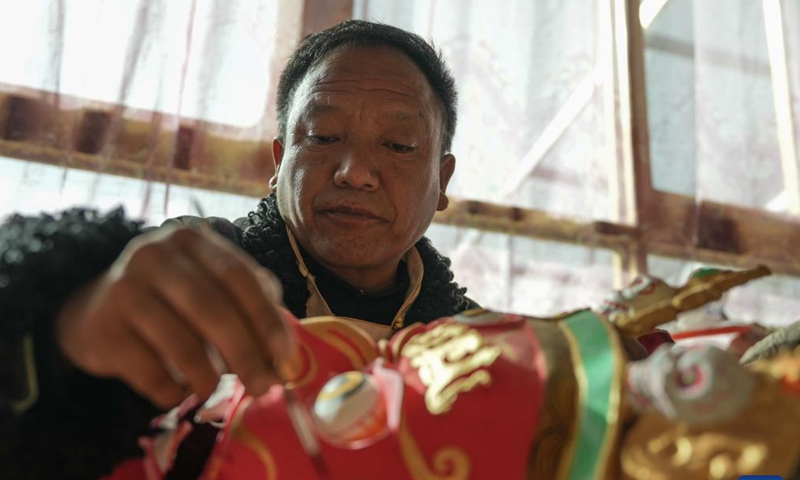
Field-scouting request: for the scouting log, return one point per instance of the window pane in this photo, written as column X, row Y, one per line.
column 30, row 188
column 523, row 275
column 711, row 102
column 137, row 53
column 537, row 115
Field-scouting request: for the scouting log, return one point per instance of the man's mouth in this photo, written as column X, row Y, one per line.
column 351, row 216
column 351, row 213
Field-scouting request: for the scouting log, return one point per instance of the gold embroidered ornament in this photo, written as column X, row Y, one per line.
column 449, row 360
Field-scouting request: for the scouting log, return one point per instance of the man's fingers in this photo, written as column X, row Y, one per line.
column 174, row 302
column 216, row 291
column 210, row 311
column 254, row 290
column 143, row 370
column 206, row 307
column 176, row 343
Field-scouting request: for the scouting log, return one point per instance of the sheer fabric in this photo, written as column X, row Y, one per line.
column 151, row 89
column 534, row 105
column 529, row 70
column 714, row 126
column 716, row 110
column 540, row 126
column 168, row 108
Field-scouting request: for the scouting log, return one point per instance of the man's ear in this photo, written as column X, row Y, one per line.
column 277, row 158
column 447, row 166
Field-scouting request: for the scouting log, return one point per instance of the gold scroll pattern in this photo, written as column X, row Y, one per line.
column 240, row 434
column 450, row 359
column 761, row 439
column 449, row 462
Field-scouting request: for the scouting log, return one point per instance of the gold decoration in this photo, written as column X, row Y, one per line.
column 400, row 339
column 474, row 312
column 350, row 341
column 300, row 368
column 240, row 434
column 448, row 359
column 761, row 439
column 698, row 291
column 558, row 415
column 449, row 462
column 784, row 367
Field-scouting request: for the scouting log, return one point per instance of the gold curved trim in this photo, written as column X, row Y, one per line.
column 400, row 338
column 305, row 373
column 580, row 377
column 245, row 437
column 448, row 458
column 352, row 342
column 608, row 449
column 352, row 380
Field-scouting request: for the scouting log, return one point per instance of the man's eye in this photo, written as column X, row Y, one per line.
column 322, row 139
column 400, row 148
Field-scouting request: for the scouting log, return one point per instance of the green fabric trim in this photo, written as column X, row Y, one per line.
column 598, row 361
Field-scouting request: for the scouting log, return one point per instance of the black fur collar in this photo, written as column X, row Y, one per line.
column 265, row 238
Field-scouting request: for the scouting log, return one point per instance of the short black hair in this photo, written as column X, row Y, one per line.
column 361, row 33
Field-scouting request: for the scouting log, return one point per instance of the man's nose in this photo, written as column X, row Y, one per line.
column 357, row 170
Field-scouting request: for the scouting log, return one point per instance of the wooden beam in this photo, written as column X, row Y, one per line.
column 535, row 224
column 705, row 232
column 129, row 168
column 723, row 234
column 639, row 137
column 681, row 228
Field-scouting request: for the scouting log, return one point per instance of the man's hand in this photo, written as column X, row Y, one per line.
column 173, row 299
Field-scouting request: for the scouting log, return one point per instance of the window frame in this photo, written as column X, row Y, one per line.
column 665, row 224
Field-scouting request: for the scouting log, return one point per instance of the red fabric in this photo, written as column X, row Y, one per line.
column 492, row 427
column 652, row 340
column 129, row 470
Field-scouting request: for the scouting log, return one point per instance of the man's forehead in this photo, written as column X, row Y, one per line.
column 363, row 74
column 322, row 97
column 362, row 67
column 322, row 104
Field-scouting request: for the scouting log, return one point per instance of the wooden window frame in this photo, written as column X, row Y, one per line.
column 666, row 224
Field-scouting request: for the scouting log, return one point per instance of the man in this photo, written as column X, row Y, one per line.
column 366, row 115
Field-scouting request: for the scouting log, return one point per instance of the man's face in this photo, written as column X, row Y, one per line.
column 361, row 171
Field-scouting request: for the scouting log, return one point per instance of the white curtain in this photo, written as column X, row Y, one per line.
column 160, row 64
column 540, row 127
column 714, row 122
column 542, row 120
